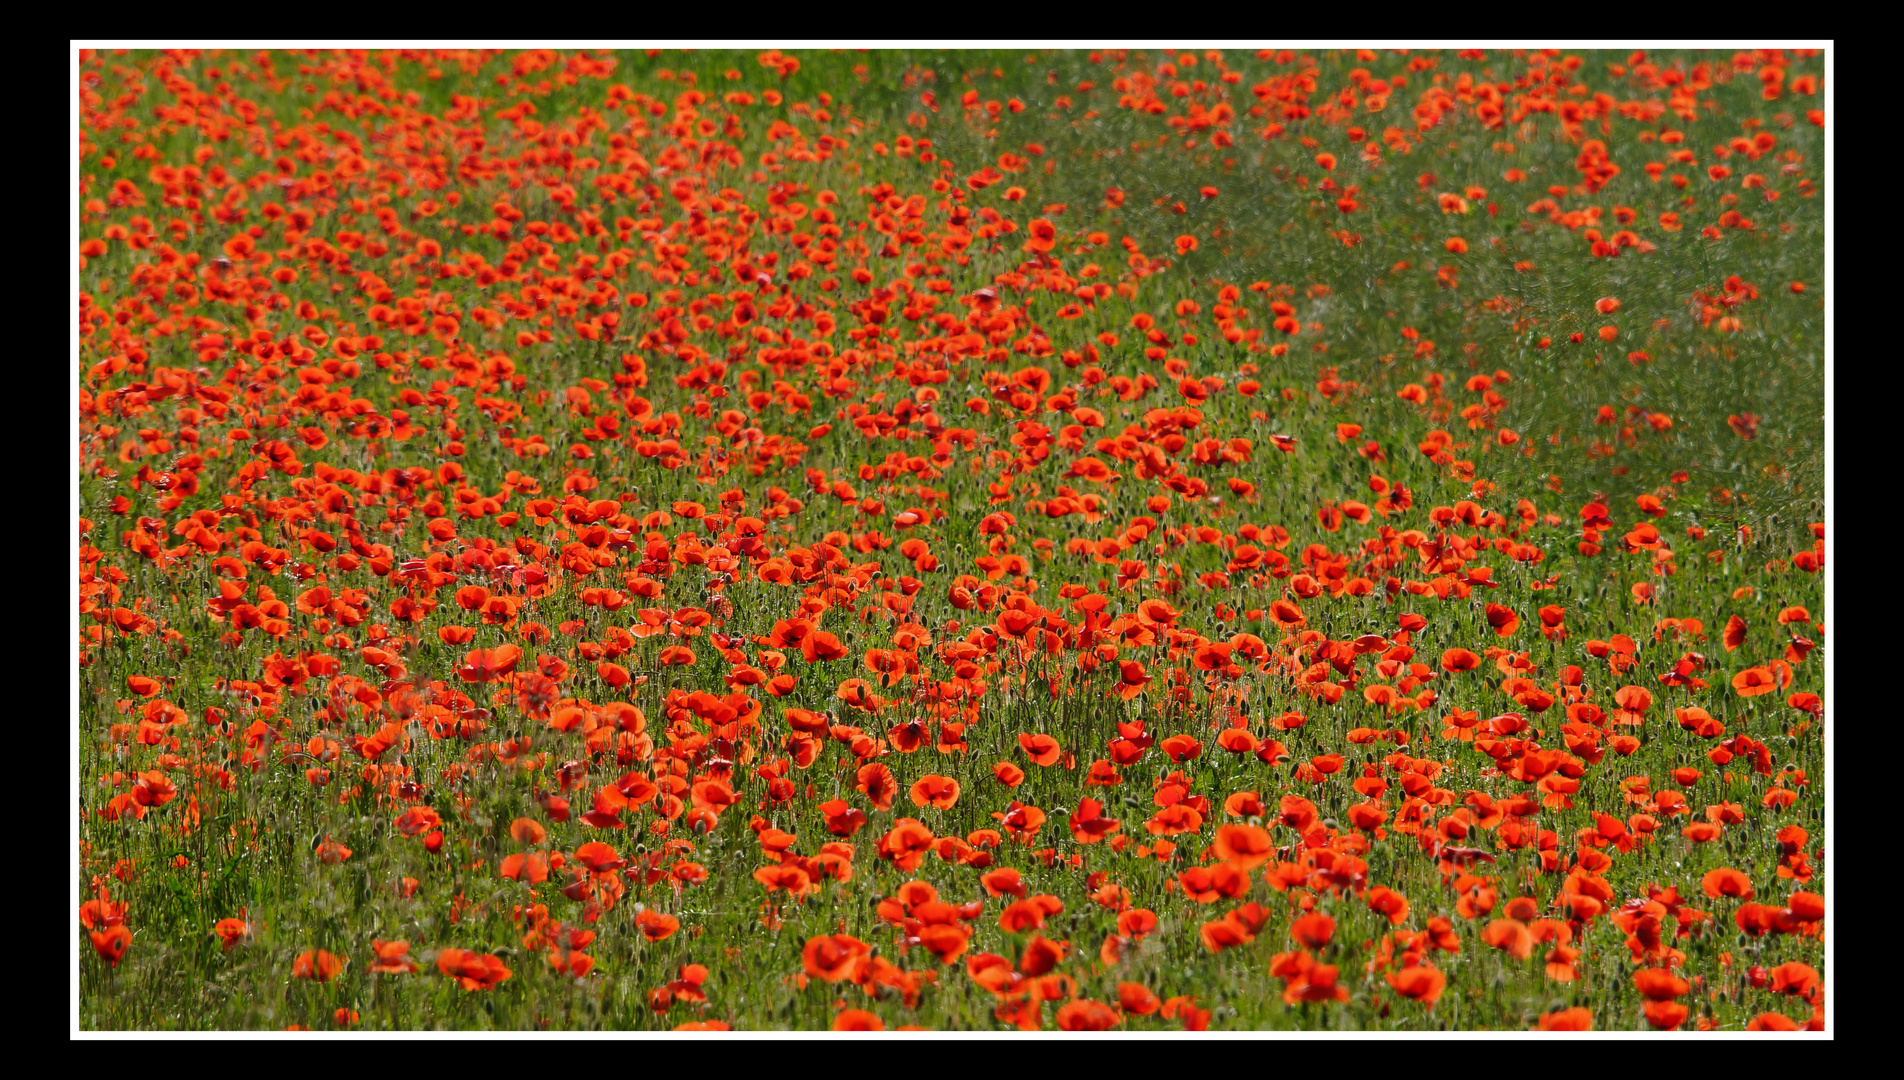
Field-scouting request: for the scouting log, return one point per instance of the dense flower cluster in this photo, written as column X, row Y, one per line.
column 811, row 540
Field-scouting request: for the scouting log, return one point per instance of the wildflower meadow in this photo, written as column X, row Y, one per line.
column 1298, row 539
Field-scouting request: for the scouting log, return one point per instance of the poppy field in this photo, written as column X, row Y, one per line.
column 1137, row 540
